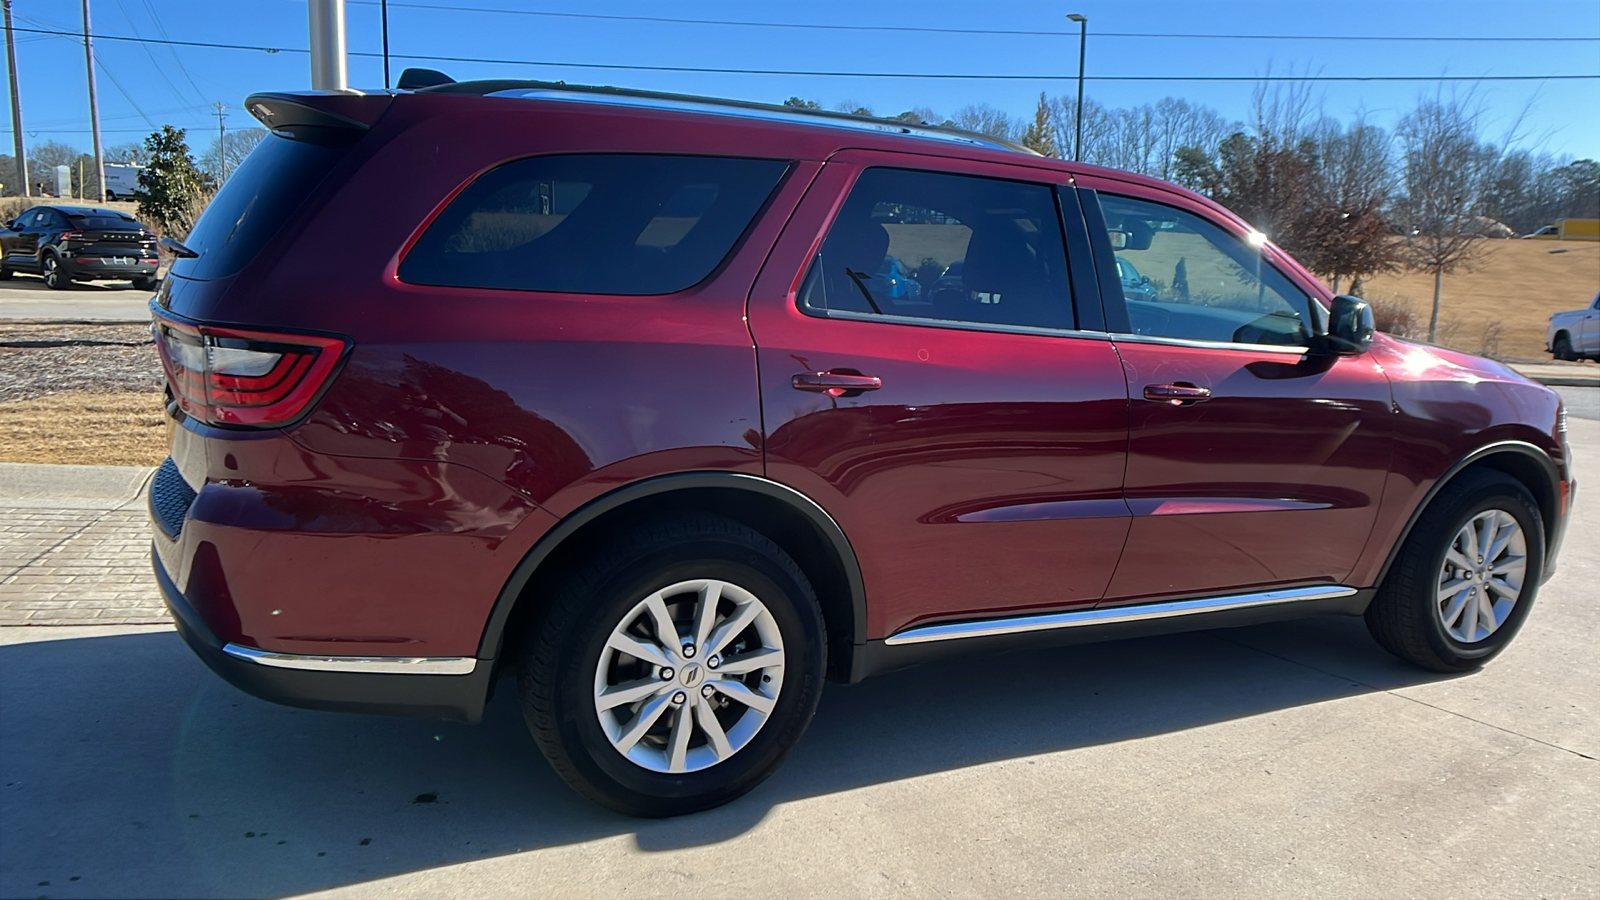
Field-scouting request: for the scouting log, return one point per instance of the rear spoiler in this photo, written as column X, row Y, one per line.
column 327, row 119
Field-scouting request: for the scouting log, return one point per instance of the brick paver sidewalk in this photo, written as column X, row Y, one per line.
column 76, row 565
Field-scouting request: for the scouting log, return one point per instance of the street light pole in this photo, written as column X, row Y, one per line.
column 328, row 72
column 1083, row 39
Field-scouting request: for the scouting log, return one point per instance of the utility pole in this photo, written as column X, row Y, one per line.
column 383, row 10
column 222, row 146
column 1083, row 39
column 94, row 110
column 328, row 72
column 16, row 106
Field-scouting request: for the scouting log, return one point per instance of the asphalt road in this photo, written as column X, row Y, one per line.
column 1294, row 759
column 26, row 297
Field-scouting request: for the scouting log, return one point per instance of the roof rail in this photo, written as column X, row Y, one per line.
column 582, row 93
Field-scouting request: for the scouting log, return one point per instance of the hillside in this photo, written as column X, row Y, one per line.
column 1515, row 283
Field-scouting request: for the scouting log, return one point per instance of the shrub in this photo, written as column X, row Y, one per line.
column 1394, row 315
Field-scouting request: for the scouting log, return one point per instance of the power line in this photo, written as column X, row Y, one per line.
column 913, row 29
column 938, row 76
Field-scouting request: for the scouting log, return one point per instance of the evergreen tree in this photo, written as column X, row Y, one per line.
column 1040, row 136
column 171, row 189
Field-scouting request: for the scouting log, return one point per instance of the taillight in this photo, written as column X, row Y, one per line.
column 233, row 377
column 72, row 235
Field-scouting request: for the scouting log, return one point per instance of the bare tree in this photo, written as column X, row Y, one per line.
column 1444, row 174
column 236, row 145
column 986, row 119
column 1346, row 232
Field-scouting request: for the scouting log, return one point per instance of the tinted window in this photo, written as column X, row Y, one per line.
column 602, row 224
column 103, row 223
column 254, row 203
column 1184, row 277
column 949, row 247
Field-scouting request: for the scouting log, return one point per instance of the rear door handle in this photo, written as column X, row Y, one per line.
column 836, row 384
column 1179, row 394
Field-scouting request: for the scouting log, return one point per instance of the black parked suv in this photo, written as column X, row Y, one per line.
column 64, row 244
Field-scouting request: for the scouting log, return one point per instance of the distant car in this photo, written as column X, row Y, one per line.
column 1575, row 334
column 63, row 244
column 1134, row 285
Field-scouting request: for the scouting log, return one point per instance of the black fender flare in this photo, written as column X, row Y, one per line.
column 493, row 633
column 1524, row 448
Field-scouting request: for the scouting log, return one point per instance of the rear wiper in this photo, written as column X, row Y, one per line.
column 177, row 249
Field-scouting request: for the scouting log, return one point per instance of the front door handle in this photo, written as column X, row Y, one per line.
column 836, row 384
column 1179, row 394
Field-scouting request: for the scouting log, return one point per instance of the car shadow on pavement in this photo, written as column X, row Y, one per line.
column 130, row 770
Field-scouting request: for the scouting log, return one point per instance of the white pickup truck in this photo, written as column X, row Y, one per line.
column 1576, row 334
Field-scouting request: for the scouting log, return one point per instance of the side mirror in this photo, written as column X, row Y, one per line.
column 1350, row 326
column 14, row 225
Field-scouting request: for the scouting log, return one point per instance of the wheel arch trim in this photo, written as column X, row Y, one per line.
column 1523, row 448
column 492, row 642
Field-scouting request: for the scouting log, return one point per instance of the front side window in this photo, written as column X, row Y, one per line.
column 1184, row 277
column 597, row 224
column 951, row 247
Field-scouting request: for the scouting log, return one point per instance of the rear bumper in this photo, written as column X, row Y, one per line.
column 342, row 684
column 91, row 267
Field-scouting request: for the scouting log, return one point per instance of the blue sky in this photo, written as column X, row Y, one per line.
column 145, row 85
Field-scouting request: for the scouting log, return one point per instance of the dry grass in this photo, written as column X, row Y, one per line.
column 1503, row 307
column 81, row 428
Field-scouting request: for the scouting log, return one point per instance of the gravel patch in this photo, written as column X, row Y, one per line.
column 37, row 360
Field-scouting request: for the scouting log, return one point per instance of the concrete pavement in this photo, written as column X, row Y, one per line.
column 75, row 546
column 1259, row 762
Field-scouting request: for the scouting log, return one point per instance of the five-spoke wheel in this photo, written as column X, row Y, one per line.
column 689, row 676
column 676, row 667
column 1465, row 577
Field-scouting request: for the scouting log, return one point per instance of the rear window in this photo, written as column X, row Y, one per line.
column 103, row 223
column 594, row 224
column 258, row 198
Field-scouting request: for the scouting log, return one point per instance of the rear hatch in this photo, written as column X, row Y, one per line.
column 107, row 233
column 230, row 362
column 310, row 134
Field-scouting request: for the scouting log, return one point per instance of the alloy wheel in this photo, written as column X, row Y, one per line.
column 52, row 271
column 689, row 676
column 1482, row 576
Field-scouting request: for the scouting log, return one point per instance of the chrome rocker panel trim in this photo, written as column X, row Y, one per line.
column 369, row 665
column 1111, row 615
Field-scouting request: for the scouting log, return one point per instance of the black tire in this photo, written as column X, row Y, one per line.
column 561, row 654
column 54, row 272
column 144, row 284
column 1404, row 616
column 1561, row 347
column 5, row 272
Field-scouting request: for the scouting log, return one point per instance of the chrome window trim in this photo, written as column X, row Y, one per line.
column 366, row 665
column 1110, row 615
column 1208, row 345
column 948, row 324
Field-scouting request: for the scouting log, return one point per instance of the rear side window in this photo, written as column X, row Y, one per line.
column 254, row 203
column 937, row 246
column 600, row 224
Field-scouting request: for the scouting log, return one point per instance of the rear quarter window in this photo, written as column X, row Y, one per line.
column 594, row 224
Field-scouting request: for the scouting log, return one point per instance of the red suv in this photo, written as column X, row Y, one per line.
column 673, row 408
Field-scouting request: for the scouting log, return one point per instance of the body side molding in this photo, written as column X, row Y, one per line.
column 1112, row 615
